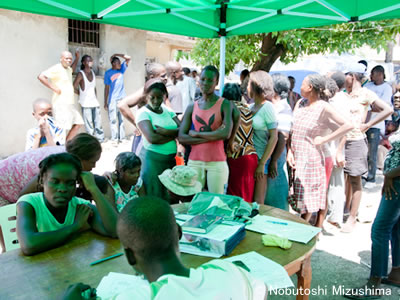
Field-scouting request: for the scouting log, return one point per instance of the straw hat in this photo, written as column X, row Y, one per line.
column 181, row 180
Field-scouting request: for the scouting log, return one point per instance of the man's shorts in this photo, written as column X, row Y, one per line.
column 66, row 116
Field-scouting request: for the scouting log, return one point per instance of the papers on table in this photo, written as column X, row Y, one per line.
column 272, row 273
column 218, row 242
column 291, row 230
column 221, row 232
column 116, row 283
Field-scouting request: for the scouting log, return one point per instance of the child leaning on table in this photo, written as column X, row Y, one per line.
column 125, row 180
column 48, row 219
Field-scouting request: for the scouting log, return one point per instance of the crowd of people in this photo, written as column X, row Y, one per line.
column 259, row 140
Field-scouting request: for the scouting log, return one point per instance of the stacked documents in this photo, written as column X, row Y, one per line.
column 221, row 240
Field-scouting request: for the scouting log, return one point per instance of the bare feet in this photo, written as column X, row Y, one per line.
column 349, row 226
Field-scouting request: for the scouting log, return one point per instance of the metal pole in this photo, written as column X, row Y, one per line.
column 222, row 43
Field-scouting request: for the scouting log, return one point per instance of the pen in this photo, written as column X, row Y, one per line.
column 105, row 258
column 276, row 222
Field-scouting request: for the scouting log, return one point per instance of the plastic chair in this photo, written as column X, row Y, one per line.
column 8, row 223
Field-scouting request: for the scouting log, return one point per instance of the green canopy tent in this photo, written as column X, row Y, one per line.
column 212, row 18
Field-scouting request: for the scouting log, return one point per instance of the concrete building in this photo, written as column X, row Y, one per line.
column 163, row 47
column 32, row 43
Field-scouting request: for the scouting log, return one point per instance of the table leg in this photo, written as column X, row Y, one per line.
column 304, row 276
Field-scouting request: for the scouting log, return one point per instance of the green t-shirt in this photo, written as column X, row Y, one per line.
column 45, row 221
column 164, row 120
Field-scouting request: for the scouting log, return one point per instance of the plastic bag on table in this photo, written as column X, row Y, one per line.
column 227, row 206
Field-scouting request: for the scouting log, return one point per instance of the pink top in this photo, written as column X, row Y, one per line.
column 17, row 170
column 205, row 121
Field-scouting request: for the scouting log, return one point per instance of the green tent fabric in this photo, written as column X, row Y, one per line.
column 210, row 18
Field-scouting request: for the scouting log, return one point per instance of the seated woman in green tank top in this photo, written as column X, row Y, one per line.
column 48, row 219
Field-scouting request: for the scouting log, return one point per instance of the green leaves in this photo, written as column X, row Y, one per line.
column 340, row 38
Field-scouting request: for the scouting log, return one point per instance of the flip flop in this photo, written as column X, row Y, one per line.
column 390, row 282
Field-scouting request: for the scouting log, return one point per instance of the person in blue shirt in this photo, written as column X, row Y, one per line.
column 114, row 92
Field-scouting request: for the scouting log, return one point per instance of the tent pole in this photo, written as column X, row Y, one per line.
column 222, row 43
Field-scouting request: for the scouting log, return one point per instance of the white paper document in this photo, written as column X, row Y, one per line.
column 272, row 273
column 293, row 231
column 116, row 283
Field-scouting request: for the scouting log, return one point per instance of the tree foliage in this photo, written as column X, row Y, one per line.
column 260, row 51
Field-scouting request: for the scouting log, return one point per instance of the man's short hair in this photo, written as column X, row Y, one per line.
column 186, row 71
column 147, row 225
column 339, row 78
column 40, row 101
column 114, row 59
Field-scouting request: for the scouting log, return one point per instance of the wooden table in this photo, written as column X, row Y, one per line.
column 296, row 260
column 47, row 275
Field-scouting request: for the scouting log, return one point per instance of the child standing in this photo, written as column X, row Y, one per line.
column 127, row 184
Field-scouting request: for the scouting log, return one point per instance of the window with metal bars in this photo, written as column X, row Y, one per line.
column 84, row 33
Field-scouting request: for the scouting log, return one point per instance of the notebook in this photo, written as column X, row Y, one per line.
column 201, row 223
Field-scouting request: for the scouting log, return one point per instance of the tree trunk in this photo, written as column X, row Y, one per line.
column 270, row 52
column 389, row 52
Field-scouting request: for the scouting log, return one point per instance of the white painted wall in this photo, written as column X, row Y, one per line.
column 32, row 43
column 29, row 44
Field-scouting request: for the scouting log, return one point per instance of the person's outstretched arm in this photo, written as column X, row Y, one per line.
column 124, row 56
column 184, row 137
column 128, row 102
column 75, row 63
column 33, row 242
